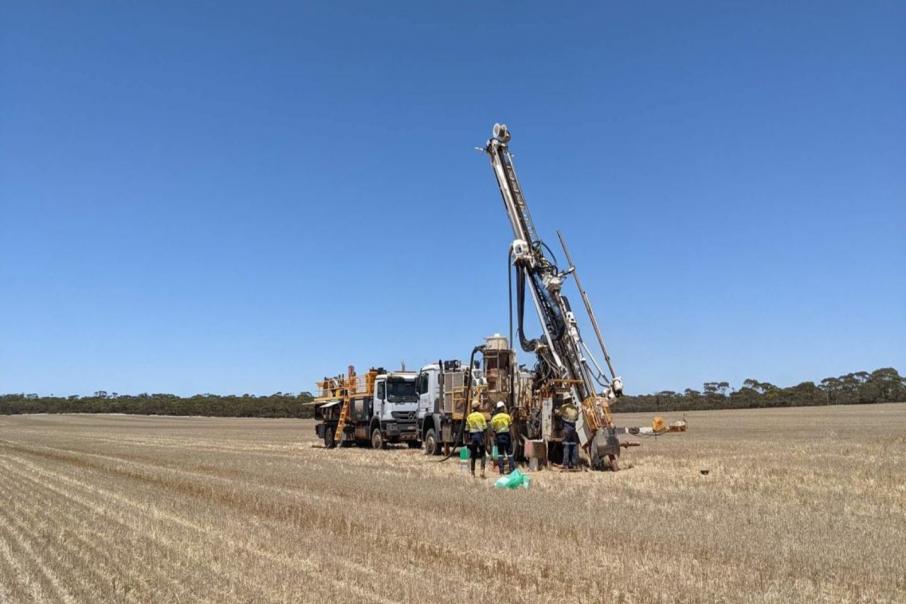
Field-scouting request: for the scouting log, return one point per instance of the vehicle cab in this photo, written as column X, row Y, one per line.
column 395, row 406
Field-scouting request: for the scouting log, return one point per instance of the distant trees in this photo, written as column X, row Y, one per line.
column 879, row 386
column 274, row 405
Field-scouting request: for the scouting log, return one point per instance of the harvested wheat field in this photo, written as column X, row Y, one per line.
column 798, row 505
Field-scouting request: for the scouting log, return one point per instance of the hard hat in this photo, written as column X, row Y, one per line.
column 500, row 405
column 475, row 405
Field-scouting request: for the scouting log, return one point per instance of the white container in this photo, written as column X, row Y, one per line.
column 496, row 342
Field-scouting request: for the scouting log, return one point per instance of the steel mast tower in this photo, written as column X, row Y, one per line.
column 567, row 370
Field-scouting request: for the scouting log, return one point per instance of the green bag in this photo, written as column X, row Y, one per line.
column 463, row 453
column 513, row 480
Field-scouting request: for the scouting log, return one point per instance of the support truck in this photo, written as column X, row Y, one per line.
column 371, row 410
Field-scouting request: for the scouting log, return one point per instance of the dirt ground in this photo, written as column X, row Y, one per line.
column 800, row 505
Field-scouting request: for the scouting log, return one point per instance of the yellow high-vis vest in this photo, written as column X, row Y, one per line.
column 501, row 422
column 476, row 422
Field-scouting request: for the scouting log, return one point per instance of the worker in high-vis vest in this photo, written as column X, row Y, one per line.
column 477, row 426
column 501, row 423
column 570, row 445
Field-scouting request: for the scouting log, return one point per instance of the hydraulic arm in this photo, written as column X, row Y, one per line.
column 566, row 366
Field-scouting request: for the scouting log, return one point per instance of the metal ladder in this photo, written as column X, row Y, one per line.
column 351, row 387
column 341, row 424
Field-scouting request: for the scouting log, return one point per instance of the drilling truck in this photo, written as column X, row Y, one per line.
column 567, row 374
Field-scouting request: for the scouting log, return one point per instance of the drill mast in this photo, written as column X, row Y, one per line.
column 565, row 363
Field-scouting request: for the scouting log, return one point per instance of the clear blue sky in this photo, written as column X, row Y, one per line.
column 218, row 197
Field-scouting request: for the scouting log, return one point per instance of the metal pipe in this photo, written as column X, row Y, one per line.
column 595, row 362
column 513, row 363
column 591, row 313
column 505, row 192
column 541, row 315
column 519, row 202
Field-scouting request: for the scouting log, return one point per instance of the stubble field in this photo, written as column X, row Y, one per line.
column 798, row 505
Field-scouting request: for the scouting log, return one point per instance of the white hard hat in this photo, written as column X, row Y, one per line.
column 500, row 405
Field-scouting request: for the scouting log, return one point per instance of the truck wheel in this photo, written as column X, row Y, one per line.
column 377, row 439
column 431, row 445
column 329, row 440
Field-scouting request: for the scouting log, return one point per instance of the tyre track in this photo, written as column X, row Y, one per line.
column 23, row 520
column 316, row 571
column 20, row 538
column 362, row 531
column 12, row 563
column 286, row 451
column 364, row 528
column 168, row 550
column 103, row 565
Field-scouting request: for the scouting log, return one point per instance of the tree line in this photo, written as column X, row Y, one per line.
column 279, row 404
column 880, row 386
column 861, row 387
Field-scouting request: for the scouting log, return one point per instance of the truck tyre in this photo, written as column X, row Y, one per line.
column 432, row 447
column 329, row 440
column 377, row 439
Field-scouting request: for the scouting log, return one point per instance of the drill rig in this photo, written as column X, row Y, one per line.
column 566, row 377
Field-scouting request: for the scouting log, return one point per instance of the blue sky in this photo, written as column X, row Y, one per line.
column 217, row 197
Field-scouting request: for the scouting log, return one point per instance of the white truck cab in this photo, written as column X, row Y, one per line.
column 395, row 407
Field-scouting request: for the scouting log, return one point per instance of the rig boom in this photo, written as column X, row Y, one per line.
column 565, row 364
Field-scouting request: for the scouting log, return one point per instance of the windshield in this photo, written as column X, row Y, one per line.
column 401, row 391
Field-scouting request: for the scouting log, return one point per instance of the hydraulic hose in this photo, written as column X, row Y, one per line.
column 527, row 345
column 553, row 258
column 462, row 425
column 553, row 319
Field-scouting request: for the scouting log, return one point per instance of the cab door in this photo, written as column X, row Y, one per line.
column 380, row 396
column 423, row 387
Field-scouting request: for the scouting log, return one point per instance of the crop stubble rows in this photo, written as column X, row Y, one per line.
column 798, row 504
